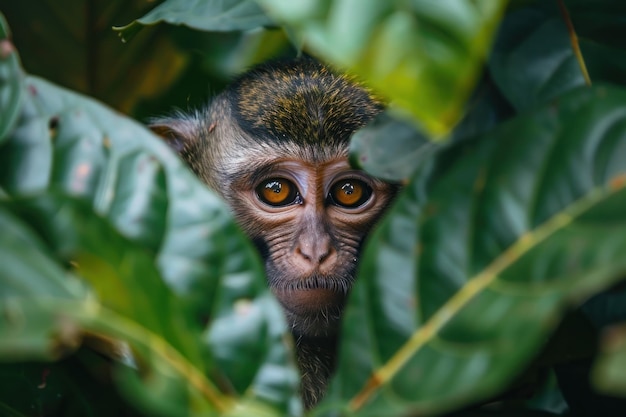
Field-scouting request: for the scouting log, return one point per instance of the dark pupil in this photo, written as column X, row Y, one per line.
column 275, row 186
column 347, row 188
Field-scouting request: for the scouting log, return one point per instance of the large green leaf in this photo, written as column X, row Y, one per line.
column 71, row 143
column 131, row 303
column 423, row 55
column 10, row 81
column 223, row 15
column 471, row 270
column 73, row 146
column 124, row 277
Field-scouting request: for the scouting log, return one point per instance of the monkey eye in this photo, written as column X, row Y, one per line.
column 278, row 192
column 349, row 193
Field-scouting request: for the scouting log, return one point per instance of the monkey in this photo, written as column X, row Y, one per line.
column 274, row 145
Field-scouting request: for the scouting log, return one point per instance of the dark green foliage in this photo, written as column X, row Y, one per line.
column 495, row 278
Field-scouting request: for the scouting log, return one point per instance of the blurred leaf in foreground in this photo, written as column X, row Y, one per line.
column 30, row 275
column 92, row 169
column 412, row 52
column 507, row 234
column 390, row 148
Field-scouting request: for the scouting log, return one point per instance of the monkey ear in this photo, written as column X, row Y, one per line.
column 178, row 131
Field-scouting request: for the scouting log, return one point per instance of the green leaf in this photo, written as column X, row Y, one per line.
column 119, row 166
column 532, row 60
column 508, row 229
column 226, row 15
column 29, row 272
column 394, row 149
column 394, row 160
column 123, row 277
column 409, row 51
column 131, row 302
column 69, row 145
column 10, row 81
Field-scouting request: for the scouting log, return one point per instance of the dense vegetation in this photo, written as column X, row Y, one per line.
column 492, row 287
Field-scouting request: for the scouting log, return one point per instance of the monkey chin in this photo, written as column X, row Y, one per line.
column 311, row 312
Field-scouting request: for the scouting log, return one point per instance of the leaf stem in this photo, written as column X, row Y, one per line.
column 574, row 39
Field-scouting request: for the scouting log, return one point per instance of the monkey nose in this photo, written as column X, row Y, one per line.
column 315, row 254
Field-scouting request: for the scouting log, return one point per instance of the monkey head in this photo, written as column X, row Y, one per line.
column 275, row 146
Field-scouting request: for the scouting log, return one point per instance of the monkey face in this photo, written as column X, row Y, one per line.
column 309, row 221
column 275, row 145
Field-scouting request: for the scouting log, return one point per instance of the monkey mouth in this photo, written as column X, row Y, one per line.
column 312, row 312
column 312, row 304
column 312, row 295
column 308, row 301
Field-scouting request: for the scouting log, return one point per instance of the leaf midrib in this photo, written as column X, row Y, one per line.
column 475, row 286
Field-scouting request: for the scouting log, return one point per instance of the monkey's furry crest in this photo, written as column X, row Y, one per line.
column 302, row 99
